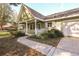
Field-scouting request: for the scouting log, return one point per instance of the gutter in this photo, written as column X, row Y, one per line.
column 67, row 17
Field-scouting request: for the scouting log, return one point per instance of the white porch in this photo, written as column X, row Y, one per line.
column 33, row 27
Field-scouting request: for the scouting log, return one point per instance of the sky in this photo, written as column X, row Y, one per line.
column 49, row 8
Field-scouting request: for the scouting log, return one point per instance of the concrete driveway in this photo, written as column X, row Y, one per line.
column 69, row 46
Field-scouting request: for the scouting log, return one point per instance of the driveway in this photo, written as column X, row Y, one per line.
column 68, row 45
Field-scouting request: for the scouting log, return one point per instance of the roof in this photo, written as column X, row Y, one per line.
column 35, row 13
column 55, row 16
column 63, row 14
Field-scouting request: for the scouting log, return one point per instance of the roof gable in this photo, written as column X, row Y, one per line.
column 34, row 13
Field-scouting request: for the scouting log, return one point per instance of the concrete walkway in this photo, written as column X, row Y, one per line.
column 43, row 48
column 66, row 47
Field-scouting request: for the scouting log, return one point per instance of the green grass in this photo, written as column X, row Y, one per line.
column 4, row 34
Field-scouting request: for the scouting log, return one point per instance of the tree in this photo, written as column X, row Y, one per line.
column 5, row 14
column 15, row 4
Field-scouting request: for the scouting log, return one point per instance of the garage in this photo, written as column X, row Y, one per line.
column 71, row 28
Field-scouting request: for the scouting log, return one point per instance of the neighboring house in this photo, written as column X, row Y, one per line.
column 32, row 22
column 8, row 26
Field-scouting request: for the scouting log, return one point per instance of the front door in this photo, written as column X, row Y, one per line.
column 31, row 28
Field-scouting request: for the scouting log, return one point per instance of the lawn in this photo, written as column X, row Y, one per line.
column 5, row 34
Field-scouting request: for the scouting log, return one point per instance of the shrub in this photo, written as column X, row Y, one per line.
column 59, row 33
column 34, row 36
column 44, row 35
column 54, row 33
column 12, row 31
column 19, row 34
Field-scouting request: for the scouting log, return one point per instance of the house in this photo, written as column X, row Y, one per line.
column 32, row 22
column 8, row 26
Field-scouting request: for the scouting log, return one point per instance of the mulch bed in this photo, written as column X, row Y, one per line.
column 54, row 42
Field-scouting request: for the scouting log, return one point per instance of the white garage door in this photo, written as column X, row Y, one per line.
column 71, row 29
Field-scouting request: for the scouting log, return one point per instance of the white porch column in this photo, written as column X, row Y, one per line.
column 35, row 26
column 53, row 25
column 46, row 26
column 26, row 30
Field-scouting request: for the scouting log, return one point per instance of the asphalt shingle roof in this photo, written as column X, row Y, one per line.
column 55, row 15
column 35, row 13
column 63, row 14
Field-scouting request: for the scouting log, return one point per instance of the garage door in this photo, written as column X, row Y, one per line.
column 71, row 29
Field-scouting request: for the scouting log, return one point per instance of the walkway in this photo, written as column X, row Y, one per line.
column 43, row 48
column 61, row 50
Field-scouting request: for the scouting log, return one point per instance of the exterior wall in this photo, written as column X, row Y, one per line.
column 49, row 27
column 69, row 27
column 58, row 25
column 41, row 30
column 40, row 27
column 55, row 24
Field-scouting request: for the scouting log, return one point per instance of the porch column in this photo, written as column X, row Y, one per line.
column 53, row 24
column 26, row 28
column 46, row 26
column 18, row 26
column 35, row 26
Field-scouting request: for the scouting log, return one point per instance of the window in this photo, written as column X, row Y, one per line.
column 50, row 24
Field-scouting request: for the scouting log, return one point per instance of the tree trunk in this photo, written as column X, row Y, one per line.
column 1, row 27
